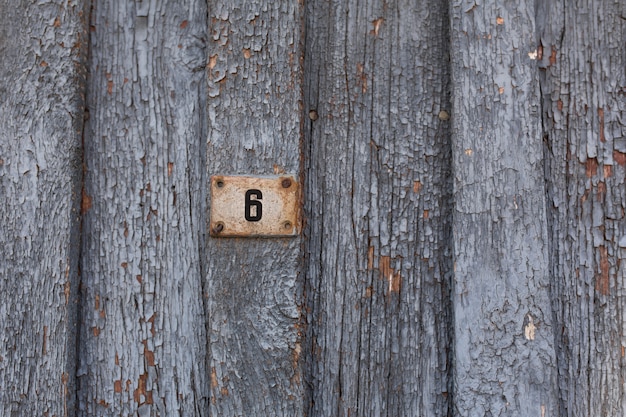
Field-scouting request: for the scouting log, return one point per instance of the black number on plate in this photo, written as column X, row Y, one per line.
column 250, row 203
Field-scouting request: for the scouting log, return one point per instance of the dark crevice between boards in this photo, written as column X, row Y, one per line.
column 314, row 194
column 309, row 117
column 541, row 19
column 445, row 114
column 202, row 218
column 82, row 205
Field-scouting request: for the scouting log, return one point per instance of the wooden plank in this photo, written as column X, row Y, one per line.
column 254, row 285
column 143, row 335
column 42, row 82
column 504, row 340
column 378, row 208
column 582, row 58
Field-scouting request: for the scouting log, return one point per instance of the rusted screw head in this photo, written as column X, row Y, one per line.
column 219, row 226
column 219, row 183
column 286, row 183
column 287, row 225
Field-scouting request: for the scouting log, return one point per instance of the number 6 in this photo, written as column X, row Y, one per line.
column 253, row 203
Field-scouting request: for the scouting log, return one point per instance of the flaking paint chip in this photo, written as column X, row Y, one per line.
column 212, row 61
column 377, row 23
column 529, row 328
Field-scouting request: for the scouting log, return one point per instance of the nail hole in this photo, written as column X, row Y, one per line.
column 219, row 183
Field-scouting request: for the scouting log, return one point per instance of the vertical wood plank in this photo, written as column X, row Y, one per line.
column 254, row 285
column 143, row 337
column 42, row 83
column 378, row 208
column 504, row 340
column 583, row 61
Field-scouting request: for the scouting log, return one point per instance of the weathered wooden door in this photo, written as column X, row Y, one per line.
column 461, row 167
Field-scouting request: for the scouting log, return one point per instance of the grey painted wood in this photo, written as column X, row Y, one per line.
column 378, row 208
column 43, row 51
column 143, row 335
column 583, row 61
column 254, row 285
column 505, row 362
column 437, row 231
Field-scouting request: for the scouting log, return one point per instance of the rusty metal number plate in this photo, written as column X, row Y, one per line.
column 254, row 206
